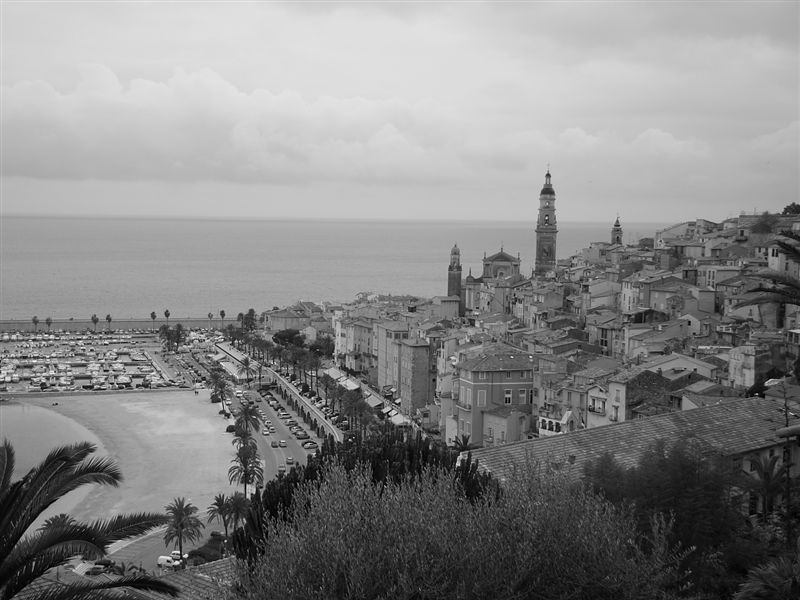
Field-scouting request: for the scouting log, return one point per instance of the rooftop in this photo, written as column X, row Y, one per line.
column 735, row 427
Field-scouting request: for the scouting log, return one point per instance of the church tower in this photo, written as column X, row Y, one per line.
column 546, row 230
column 616, row 233
column 454, row 277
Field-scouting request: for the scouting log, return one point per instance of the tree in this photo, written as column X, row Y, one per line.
column 245, row 369
column 210, row 316
column 26, row 557
column 247, row 420
column 767, row 480
column 461, row 443
column 778, row 579
column 222, row 318
column 238, row 508
column 166, row 315
column 791, row 209
column 766, row 223
column 220, row 388
column 48, row 321
column 35, row 321
column 153, row 316
column 427, row 542
column 220, row 511
column 246, row 467
column 182, row 524
column 95, row 321
column 108, row 320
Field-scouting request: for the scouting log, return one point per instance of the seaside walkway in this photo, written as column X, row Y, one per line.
column 288, row 388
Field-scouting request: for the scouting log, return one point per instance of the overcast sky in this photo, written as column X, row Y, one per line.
column 654, row 111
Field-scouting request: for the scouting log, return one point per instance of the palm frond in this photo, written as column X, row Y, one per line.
column 108, row 589
column 122, row 527
column 6, row 464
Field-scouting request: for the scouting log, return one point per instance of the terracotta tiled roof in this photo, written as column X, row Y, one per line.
column 203, row 582
column 735, row 427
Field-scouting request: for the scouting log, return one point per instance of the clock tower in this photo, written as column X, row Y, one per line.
column 546, row 230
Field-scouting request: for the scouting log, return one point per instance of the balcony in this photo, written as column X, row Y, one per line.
column 598, row 411
column 463, row 405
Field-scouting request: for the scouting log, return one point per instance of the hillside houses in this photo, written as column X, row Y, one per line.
column 616, row 333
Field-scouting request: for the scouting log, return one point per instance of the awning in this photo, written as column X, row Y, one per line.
column 374, row 401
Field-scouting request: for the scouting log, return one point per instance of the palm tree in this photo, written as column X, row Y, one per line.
column 182, row 524
column 153, row 316
column 222, row 318
column 778, row 579
column 35, row 321
column 210, row 316
column 95, row 321
column 247, row 419
column 220, row 389
column 246, row 467
column 245, row 369
column 461, row 443
column 767, row 481
column 220, row 511
column 238, row 507
column 166, row 315
column 108, row 320
column 25, row 558
column 48, row 321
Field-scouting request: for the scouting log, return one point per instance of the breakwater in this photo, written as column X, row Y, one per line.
column 77, row 325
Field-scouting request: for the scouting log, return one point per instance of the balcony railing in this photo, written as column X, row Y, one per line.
column 598, row 411
column 464, row 405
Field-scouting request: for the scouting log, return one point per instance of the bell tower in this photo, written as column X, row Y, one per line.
column 454, row 277
column 546, row 230
column 616, row 233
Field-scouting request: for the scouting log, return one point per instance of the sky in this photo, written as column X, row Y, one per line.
column 653, row 111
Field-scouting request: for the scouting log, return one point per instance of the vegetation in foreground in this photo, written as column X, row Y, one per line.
column 27, row 555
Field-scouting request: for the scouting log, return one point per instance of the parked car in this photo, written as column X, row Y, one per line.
column 310, row 445
column 301, row 435
column 167, row 562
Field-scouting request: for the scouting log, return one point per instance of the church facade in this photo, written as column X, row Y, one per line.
column 493, row 290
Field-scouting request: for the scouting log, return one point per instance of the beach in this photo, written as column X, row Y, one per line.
column 168, row 444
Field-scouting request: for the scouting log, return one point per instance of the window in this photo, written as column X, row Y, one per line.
column 508, row 396
column 482, row 398
column 491, row 434
column 469, row 397
column 482, row 375
column 468, row 428
column 508, row 374
column 752, row 465
column 522, row 395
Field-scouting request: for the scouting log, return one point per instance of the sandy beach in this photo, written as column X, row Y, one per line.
column 168, row 444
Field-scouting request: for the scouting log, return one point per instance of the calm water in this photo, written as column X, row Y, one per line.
column 63, row 267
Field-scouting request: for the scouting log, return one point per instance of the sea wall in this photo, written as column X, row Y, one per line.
column 17, row 325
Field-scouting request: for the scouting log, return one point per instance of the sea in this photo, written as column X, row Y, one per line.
column 71, row 267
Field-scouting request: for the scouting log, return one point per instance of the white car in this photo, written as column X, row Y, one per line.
column 238, row 393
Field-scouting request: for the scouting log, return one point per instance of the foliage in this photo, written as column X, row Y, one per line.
column 791, row 209
column 289, row 337
column 690, row 484
column 765, row 224
column 24, row 557
column 172, row 337
column 220, row 387
column 427, row 541
column 182, row 524
column 246, row 467
column 219, row 510
column 778, row 579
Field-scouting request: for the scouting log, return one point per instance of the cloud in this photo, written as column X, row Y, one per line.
column 196, row 125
